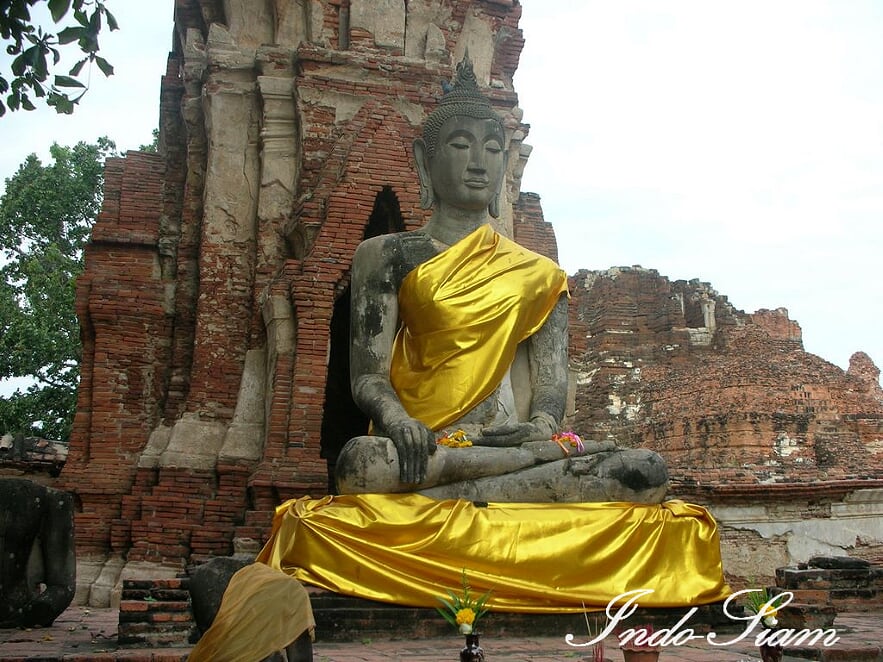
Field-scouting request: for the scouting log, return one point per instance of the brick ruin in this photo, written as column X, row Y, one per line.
column 730, row 399
column 785, row 448
column 214, row 305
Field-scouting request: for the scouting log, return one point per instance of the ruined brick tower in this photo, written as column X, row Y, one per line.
column 214, row 304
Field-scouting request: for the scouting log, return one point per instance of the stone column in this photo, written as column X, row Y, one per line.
column 280, row 154
column 229, row 228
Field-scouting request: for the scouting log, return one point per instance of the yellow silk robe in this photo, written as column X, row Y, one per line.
column 409, row 549
column 463, row 314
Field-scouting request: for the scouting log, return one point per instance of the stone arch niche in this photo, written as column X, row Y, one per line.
column 214, row 298
column 366, row 186
column 341, row 418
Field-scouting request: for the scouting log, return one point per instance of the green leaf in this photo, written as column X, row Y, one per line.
column 75, row 70
column 111, row 21
column 32, row 55
column 19, row 10
column 95, row 21
column 62, row 104
column 35, row 53
column 105, row 66
column 41, row 68
column 70, row 34
column 447, row 616
column 19, row 65
column 67, row 81
column 59, row 8
column 88, row 43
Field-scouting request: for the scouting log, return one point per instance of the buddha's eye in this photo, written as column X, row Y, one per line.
column 493, row 147
column 459, row 144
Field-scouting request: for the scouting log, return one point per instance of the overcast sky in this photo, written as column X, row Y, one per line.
column 740, row 143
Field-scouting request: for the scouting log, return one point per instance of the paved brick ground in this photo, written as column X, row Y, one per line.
column 81, row 635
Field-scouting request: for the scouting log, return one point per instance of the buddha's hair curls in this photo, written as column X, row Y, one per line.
column 462, row 99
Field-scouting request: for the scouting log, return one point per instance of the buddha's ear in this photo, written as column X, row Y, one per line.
column 494, row 207
column 421, row 159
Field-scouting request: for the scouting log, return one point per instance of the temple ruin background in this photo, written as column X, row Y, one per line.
column 214, row 306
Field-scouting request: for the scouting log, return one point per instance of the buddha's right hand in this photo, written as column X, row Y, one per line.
column 414, row 444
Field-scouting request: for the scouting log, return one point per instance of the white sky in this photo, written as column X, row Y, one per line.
column 740, row 143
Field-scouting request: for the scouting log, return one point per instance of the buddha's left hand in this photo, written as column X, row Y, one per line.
column 512, row 434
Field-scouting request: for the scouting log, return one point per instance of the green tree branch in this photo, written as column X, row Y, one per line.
column 32, row 49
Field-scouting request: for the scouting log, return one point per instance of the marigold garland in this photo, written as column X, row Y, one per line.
column 457, row 439
column 565, row 439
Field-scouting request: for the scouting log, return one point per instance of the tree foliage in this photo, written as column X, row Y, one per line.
column 32, row 49
column 153, row 145
column 46, row 215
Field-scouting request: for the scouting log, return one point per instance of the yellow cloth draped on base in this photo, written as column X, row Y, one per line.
column 408, row 549
column 463, row 314
column 262, row 611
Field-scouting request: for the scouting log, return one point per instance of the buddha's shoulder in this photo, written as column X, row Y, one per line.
column 396, row 239
column 408, row 247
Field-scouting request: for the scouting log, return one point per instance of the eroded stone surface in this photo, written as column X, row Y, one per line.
column 38, row 562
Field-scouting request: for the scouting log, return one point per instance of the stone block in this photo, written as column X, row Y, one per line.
column 818, row 578
column 811, row 616
column 806, row 595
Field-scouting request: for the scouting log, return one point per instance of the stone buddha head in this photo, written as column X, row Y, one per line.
column 461, row 158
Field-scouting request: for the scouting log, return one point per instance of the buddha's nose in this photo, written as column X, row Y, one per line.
column 477, row 161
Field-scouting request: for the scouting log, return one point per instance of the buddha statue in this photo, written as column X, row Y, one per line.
column 459, row 344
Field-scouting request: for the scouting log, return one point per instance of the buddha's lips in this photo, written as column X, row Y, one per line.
column 476, row 183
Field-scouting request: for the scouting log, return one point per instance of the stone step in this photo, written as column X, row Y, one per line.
column 806, row 596
column 821, row 578
column 344, row 618
column 859, row 599
column 856, row 585
column 869, row 653
column 155, row 613
column 798, row 616
column 856, row 643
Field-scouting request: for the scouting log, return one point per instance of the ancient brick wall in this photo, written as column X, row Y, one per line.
column 126, row 326
column 727, row 398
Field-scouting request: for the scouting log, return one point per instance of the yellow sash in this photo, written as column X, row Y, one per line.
column 463, row 314
column 262, row 611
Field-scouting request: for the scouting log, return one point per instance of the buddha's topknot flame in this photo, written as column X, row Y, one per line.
column 463, row 98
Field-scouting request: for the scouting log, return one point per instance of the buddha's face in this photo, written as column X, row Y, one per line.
column 467, row 167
